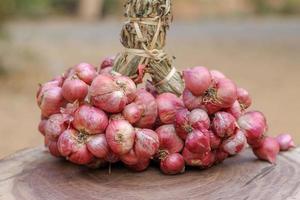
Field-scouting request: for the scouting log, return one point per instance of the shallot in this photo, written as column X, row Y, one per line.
column 172, row 164
column 224, row 124
column 268, row 150
column 285, row 142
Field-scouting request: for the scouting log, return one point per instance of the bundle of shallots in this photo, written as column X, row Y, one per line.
column 98, row 117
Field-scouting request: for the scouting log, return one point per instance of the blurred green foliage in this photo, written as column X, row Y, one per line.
column 283, row 7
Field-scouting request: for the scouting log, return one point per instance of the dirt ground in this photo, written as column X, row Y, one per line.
column 261, row 55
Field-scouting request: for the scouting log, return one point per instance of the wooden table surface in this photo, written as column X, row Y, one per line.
column 33, row 174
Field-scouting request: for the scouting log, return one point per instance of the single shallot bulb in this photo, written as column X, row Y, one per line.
column 112, row 93
column 268, row 150
column 168, row 139
column 244, row 98
column 130, row 158
column 285, row 142
column 190, row 101
column 199, row 119
column 90, row 120
column 168, row 104
column 222, row 94
column 98, row 146
column 198, row 160
column 254, row 124
column 132, row 113
column 172, row 164
column 51, row 100
column 235, row 144
column 198, row 142
column 72, row 145
column 197, row 80
column 74, row 89
column 224, row 124
column 148, row 107
column 216, row 75
column 52, row 146
column 107, row 62
column 146, row 143
column 55, row 125
column 120, row 136
column 85, row 72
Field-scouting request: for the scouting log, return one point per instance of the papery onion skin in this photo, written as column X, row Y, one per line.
column 41, row 126
column 98, row 146
column 85, row 72
column 224, row 124
column 197, row 80
column 220, row 156
column 55, row 125
column 268, row 150
column 146, row 143
column 244, row 98
column 72, row 145
column 182, row 123
column 190, row 101
column 211, row 108
column 107, row 62
column 51, row 101
column 120, row 136
column 285, row 142
column 235, row 110
column 112, row 93
column 215, row 141
column 198, row 160
column 254, row 124
column 235, row 144
column 168, row 139
column 148, row 107
column 106, row 71
column 198, row 142
column 216, row 75
column 52, row 147
column 74, row 89
column 226, row 92
column 199, row 119
column 130, row 158
column 132, row 113
column 172, row 164
column 90, row 120
column 168, row 104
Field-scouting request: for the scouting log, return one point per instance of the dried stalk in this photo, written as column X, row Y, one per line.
column 144, row 37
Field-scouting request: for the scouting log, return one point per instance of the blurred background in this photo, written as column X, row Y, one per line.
column 254, row 42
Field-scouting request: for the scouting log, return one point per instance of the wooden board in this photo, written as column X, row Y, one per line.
column 33, row 175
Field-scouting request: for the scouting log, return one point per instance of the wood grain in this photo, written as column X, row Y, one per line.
column 34, row 175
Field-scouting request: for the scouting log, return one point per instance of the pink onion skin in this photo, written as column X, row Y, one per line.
column 172, row 164
column 198, row 160
column 85, row 72
column 44, row 87
column 254, row 124
column 168, row 104
column 74, row 89
column 212, row 108
column 235, row 144
column 285, row 142
column 198, row 142
column 52, row 147
column 255, row 142
column 98, row 146
column 151, row 89
column 71, row 146
column 90, row 120
column 168, row 139
column 182, row 124
column 51, row 101
column 112, row 93
column 216, row 75
column 130, row 158
column 41, row 126
column 120, row 136
column 146, row 143
column 215, row 141
column 244, row 98
column 106, row 71
column 107, row 62
column 268, row 150
column 224, row 124
column 116, row 117
column 197, row 80
column 226, row 92
column 55, row 125
column 132, row 113
column 190, row 101
column 148, row 107
column 221, row 156
column 142, row 165
column 235, row 110
column 199, row 119
column 112, row 157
